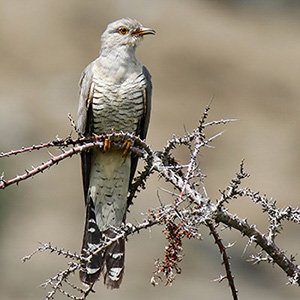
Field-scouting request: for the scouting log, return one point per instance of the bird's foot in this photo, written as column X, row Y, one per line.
column 107, row 145
column 126, row 147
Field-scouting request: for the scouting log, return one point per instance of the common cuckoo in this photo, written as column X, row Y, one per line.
column 115, row 96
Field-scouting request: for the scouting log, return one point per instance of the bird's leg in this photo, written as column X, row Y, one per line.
column 126, row 147
column 107, row 145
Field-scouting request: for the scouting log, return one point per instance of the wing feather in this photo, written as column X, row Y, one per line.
column 144, row 124
column 84, row 124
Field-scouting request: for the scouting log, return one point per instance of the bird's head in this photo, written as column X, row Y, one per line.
column 125, row 32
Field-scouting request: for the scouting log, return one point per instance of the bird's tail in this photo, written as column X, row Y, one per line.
column 114, row 261
column 109, row 261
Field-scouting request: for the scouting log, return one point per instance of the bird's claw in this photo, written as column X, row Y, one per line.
column 107, row 145
column 126, row 147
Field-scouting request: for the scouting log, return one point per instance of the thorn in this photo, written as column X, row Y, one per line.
column 2, row 177
column 229, row 245
column 220, row 279
column 51, row 154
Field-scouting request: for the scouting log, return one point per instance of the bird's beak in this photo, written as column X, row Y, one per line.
column 144, row 31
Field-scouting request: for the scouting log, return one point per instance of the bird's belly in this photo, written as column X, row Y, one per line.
column 109, row 182
column 117, row 111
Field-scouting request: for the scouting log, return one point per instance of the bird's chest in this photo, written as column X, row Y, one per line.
column 117, row 107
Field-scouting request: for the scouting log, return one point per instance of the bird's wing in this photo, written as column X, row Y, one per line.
column 85, row 97
column 143, row 129
column 144, row 124
column 85, row 120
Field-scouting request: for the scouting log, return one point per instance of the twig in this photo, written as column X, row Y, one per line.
column 225, row 258
column 46, row 165
column 268, row 246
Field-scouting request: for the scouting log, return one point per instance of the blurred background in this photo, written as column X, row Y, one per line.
column 244, row 53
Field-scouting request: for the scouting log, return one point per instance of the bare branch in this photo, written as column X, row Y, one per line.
column 191, row 207
column 266, row 244
column 225, row 258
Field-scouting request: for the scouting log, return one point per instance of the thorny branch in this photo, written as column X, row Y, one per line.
column 190, row 209
column 225, row 258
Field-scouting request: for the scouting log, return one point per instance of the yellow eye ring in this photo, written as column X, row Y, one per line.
column 123, row 30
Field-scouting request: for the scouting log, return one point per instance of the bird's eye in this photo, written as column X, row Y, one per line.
column 123, row 30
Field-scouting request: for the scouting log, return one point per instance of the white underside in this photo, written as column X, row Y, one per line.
column 109, row 181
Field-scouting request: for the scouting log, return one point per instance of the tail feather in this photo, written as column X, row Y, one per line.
column 110, row 261
column 114, row 262
column 90, row 271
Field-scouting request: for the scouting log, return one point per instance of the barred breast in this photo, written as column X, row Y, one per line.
column 118, row 107
column 115, row 107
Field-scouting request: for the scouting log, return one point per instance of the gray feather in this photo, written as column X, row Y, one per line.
column 115, row 95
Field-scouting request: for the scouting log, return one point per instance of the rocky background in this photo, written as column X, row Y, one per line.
column 246, row 56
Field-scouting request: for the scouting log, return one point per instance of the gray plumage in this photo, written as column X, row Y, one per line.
column 115, row 95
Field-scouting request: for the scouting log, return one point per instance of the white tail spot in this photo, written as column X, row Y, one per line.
column 92, row 270
column 92, row 246
column 114, row 273
column 116, row 255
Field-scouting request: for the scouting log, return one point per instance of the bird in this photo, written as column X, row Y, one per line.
column 115, row 96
